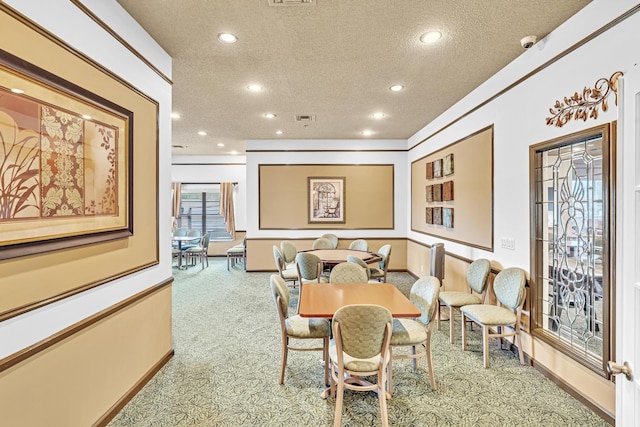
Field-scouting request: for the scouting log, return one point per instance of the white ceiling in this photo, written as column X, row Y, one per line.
column 335, row 59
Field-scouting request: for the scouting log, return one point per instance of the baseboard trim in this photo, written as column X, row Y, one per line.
column 117, row 407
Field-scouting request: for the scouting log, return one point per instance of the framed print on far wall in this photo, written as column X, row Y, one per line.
column 447, row 217
column 64, row 159
column 429, row 168
column 447, row 165
column 437, row 192
column 429, row 215
column 437, row 168
column 437, row 216
column 447, row 191
column 429, row 191
column 326, row 200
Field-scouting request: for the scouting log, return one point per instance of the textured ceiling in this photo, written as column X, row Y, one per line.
column 335, row 60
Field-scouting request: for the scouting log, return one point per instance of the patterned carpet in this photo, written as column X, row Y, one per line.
column 226, row 338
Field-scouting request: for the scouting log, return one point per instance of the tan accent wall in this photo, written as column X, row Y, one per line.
column 591, row 386
column 260, row 251
column 472, row 202
column 77, row 380
column 284, row 198
column 28, row 281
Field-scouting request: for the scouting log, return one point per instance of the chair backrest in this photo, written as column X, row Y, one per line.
column 321, row 243
column 424, row 295
column 478, row 275
column 309, row 266
column 281, row 295
column 348, row 272
column 332, row 238
column 509, row 287
column 204, row 241
column 193, row 233
column 289, row 251
column 354, row 259
column 359, row 245
column 363, row 329
column 180, row 232
column 385, row 252
column 277, row 256
column 437, row 261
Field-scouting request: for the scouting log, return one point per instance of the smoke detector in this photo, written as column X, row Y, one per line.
column 292, row 2
column 305, row 118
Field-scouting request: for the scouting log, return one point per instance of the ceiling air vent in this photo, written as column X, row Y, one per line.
column 292, row 2
column 177, row 146
column 305, row 119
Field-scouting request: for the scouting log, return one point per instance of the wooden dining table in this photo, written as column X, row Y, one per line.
column 324, row 299
column 332, row 257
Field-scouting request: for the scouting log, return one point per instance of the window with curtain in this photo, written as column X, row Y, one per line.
column 200, row 210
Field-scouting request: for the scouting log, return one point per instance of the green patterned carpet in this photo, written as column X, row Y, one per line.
column 226, row 337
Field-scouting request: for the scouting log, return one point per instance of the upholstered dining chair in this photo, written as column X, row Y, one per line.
column 200, row 251
column 297, row 327
column 289, row 252
column 348, row 272
column 176, row 253
column 417, row 333
column 357, row 260
column 288, row 274
column 309, row 268
column 332, row 238
column 509, row 289
column 477, row 279
column 380, row 273
column 191, row 243
column 322, row 243
column 360, row 347
column 236, row 252
column 359, row 245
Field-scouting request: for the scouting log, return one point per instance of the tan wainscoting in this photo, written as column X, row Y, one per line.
column 260, row 251
column 219, row 248
column 85, row 374
column 595, row 391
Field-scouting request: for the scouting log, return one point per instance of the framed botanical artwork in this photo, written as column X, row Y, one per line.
column 437, row 168
column 447, row 217
column 437, row 216
column 326, row 200
column 447, row 165
column 447, row 191
column 65, row 158
column 437, row 192
column 429, row 170
column 429, row 215
column 429, row 191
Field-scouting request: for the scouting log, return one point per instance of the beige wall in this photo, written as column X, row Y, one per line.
column 76, row 381
column 284, row 198
column 219, row 248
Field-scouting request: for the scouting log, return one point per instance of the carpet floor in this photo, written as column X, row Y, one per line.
column 226, row 337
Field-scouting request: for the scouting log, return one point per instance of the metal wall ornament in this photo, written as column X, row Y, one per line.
column 586, row 105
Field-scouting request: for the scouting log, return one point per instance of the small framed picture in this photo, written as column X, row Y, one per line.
column 447, row 191
column 447, row 165
column 429, row 190
column 437, row 216
column 429, row 170
column 437, row 192
column 447, row 217
column 437, row 168
column 429, row 215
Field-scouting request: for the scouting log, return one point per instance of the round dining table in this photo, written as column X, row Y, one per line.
column 332, row 257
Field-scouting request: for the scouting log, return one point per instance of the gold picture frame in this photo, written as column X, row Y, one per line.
column 326, row 200
column 64, row 161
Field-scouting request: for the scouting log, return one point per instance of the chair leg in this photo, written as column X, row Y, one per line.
column 382, row 396
column 438, row 315
column 451, row 322
column 518, row 340
column 429, row 360
column 337, row 418
column 485, row 345
column 325, row 357
column 415, row 360
column 390, row 371
column 283, row 363
column 464, row 331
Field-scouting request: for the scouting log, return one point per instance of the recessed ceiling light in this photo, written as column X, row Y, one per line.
column 254, row 88
column 227, row 38
column 367, row 132
column 220, row 144
column 430, row 37
column 269, row 115
column 378, row 115
column 202, row 133
column 86, row 117
column 279, row 132
column 396, row 88
column 234, row 152
column 16, row 90
column 175, row 115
